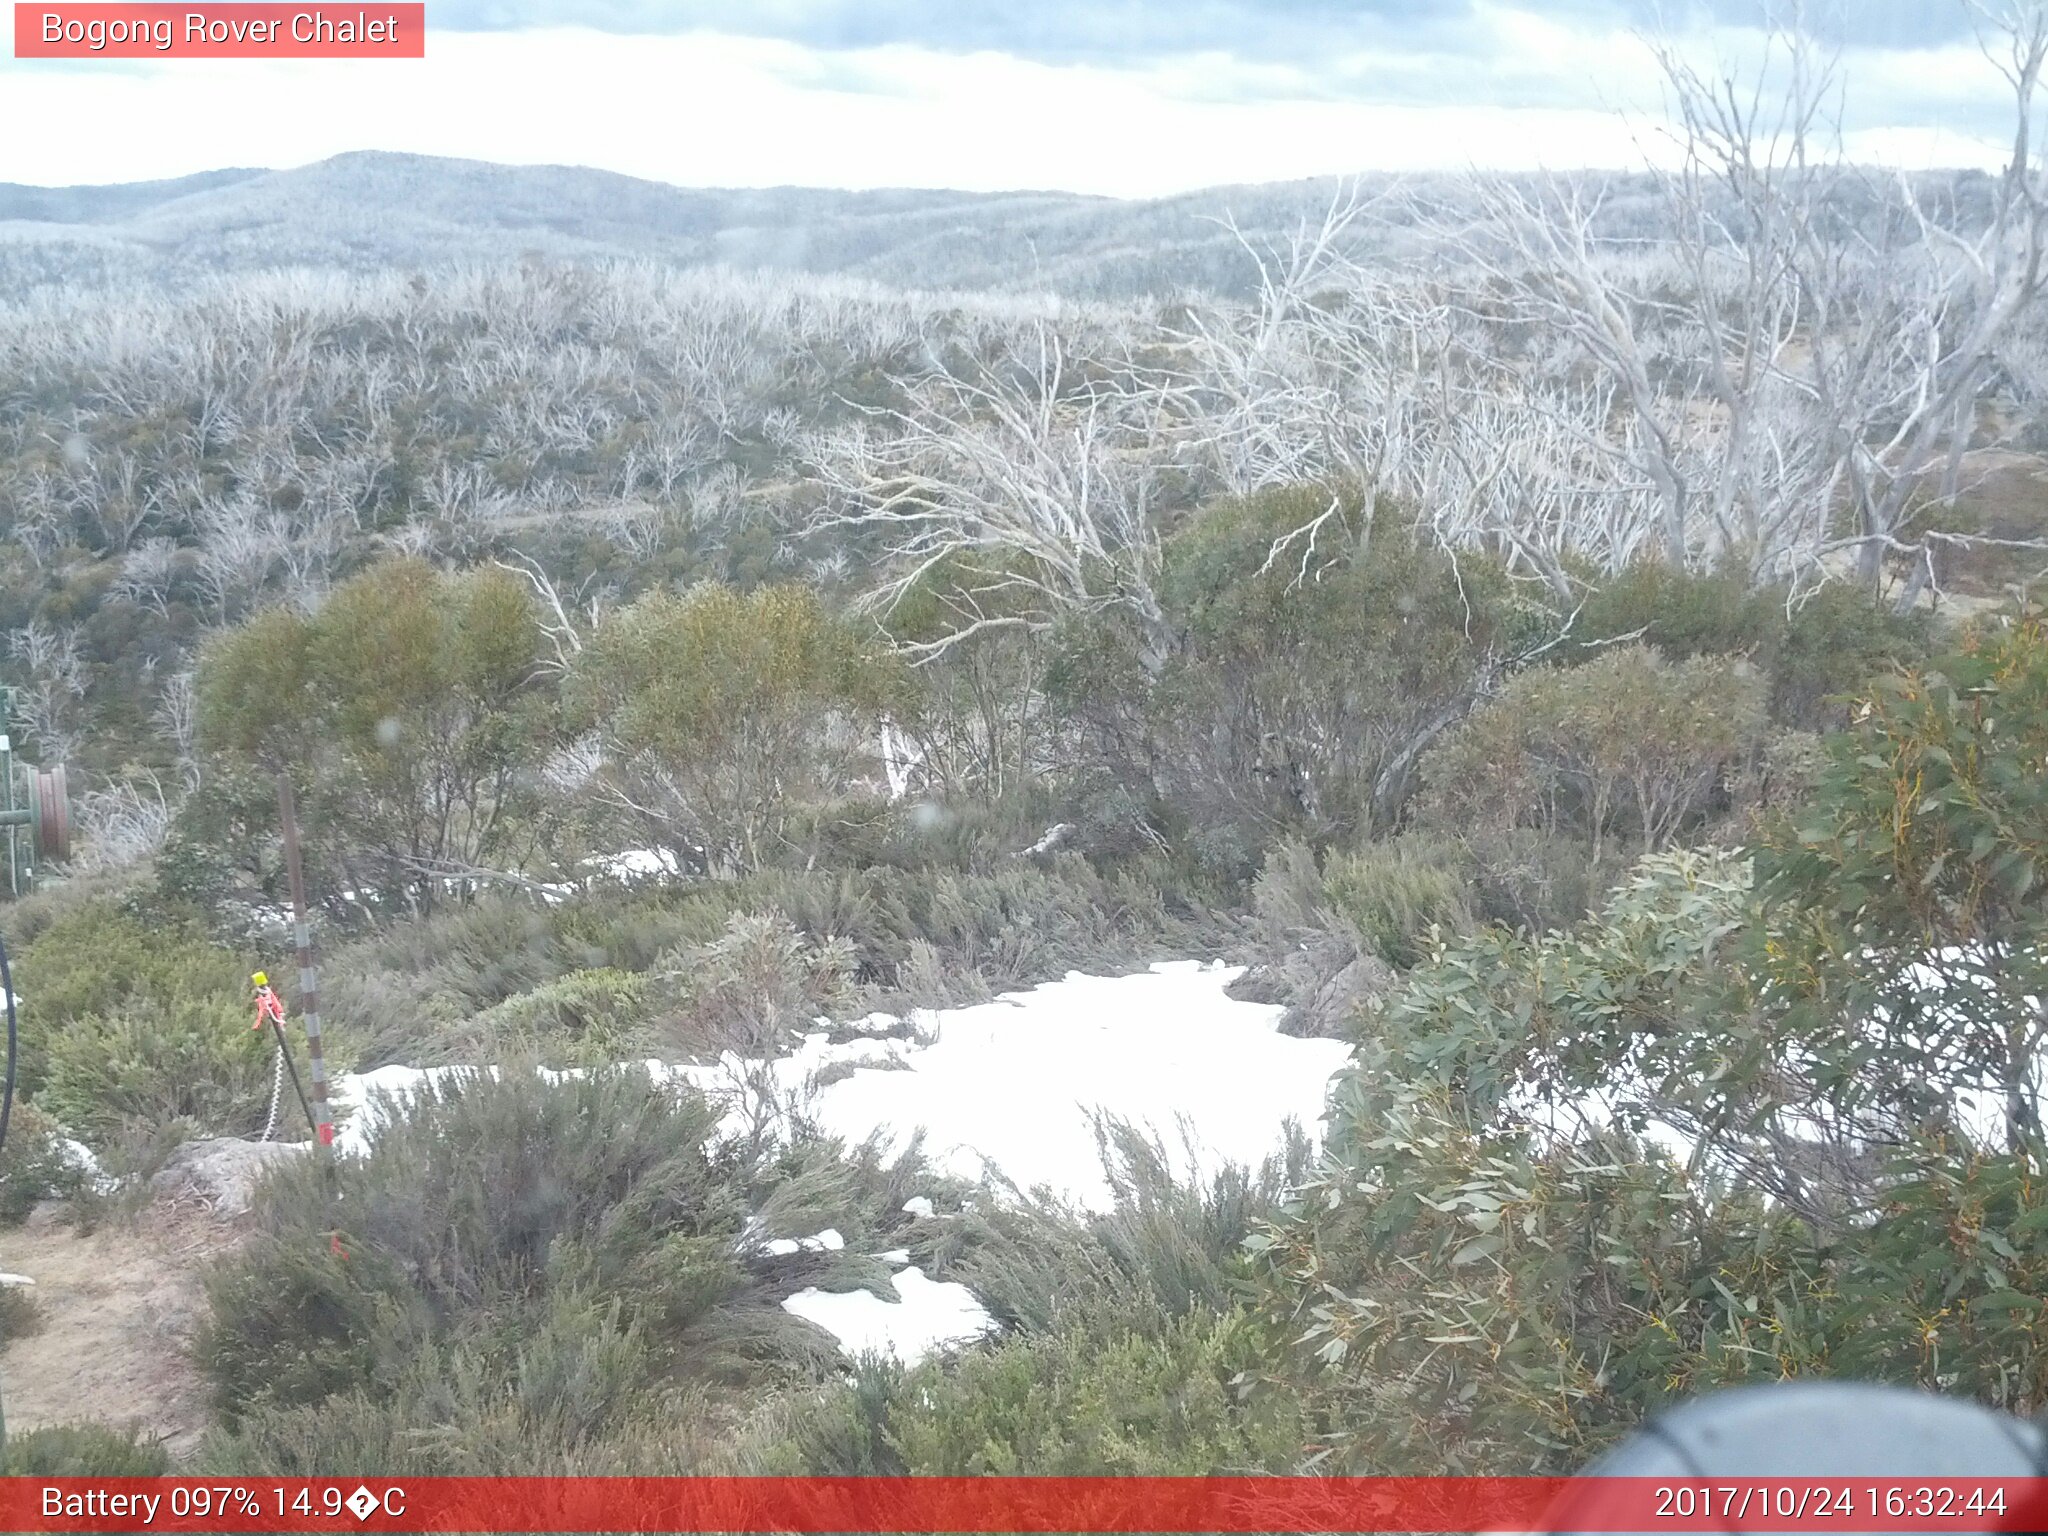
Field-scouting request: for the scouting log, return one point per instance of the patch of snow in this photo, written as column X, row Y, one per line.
column 360, row 1101
column 20, row 1280
column 827, row 1241
column 1055, row 834
column 635, row 864
column 1013, row 1083
column 933, row 1315
column 80, row 1156
column 919, row 1205
column 895, row 1256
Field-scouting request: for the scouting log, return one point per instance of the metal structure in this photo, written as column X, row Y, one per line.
column 35, row 810
column 309, row 979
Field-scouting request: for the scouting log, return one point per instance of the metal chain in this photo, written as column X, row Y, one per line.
column 276, row 1095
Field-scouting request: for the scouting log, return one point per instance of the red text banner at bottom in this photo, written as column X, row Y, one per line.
column 1021, row 1504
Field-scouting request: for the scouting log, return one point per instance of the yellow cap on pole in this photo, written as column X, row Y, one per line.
column 260, row 979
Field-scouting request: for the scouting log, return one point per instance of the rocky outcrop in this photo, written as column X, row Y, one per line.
column 220, row 1172
column 1322, row 984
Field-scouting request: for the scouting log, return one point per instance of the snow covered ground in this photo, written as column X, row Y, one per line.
column 1011, row 1085
column 932, row 1315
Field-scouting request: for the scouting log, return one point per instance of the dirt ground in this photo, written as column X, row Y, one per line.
column 116, row 1313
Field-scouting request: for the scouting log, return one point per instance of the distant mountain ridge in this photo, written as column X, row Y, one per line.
column 378, row 212
column 106, row 204
column 381, row 211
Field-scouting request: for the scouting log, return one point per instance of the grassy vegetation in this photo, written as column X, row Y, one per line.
column 556, row 1276
column 636, row 962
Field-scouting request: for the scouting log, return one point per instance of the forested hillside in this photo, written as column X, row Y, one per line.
column 1573, row 641
column 375, row 212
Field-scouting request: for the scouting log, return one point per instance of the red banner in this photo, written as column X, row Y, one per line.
column 1225, row 1505
column 213, row 30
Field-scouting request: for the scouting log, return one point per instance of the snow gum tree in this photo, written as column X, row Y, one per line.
column 726, row 719
column 1918, row 869
column 406, row 708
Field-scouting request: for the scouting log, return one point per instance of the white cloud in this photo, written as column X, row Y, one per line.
column 711, row 109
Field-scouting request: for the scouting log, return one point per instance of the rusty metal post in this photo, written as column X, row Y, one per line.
column 309, row 981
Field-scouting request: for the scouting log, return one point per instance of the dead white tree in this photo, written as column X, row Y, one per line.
column 122, row 823
column 1795, row 340
column 563, row 631
column 148, row 572
column 51, row 697
column 176, row 718
column 1014, row 492
column 1938, row 339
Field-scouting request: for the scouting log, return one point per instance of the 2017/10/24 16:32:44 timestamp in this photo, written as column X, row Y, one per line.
column 1821, row 1500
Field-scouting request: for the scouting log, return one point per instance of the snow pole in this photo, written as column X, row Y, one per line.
column 7, row 1100
column 309, row 981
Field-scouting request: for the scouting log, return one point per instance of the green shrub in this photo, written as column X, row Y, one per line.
column 150, row 1062
column 1287, row 896
column 414, row 994
column 97, row 958
column 726, row 714
column 20, row 1313
column 132, row 1018
column 758, row 983
column 1471, row 1283
column 1387, row 896
column 454, row 1415
column 590, row 1014
column 1167, row 1246
column 417, row 718
column 34, row 1165
column 1126, row 1348
column 537, row 1278
column 1534, row 880
column 1302, row 680
column 1833, row 644
column 1451, row 1299
column 488, row 1198
column 1680, row 613
column 1630, row 745
column 1831, row 641
column 1158, row 1403
column 83, row 1450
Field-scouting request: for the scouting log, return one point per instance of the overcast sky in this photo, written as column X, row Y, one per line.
column 1124, row 97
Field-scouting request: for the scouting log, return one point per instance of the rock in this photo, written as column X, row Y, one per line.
column 1323, row 984
column 220, row 1171
column 1329, row 1012
column 46, row 1215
